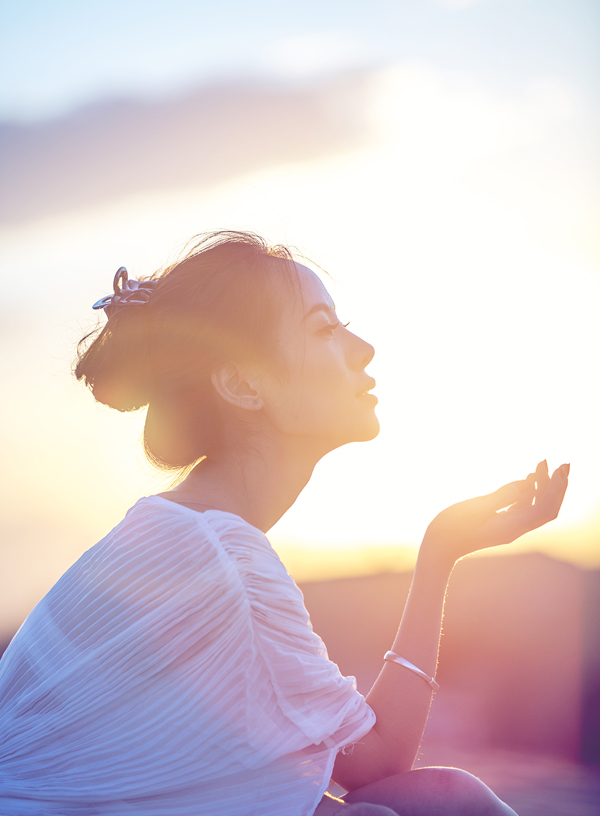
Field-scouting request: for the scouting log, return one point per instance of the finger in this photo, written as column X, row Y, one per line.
column 507, row 495
column 542, row 479
column 527, row 495
column 550, row 503
column 516, row 523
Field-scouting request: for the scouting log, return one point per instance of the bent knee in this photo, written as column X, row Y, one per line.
column 462, row 792
column 443, row 791
column 366, row 809
column 453, row 781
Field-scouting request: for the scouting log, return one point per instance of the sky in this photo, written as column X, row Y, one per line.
column 55, row 56
column 438, row 159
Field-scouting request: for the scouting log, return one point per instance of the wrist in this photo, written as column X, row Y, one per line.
column 434, row 559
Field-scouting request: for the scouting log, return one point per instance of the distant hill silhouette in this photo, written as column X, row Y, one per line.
column 117, row 147
column 520, row 646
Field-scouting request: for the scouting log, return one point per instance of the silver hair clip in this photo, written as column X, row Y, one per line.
column 126, row 292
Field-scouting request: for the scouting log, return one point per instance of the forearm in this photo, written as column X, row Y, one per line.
column 400, row 698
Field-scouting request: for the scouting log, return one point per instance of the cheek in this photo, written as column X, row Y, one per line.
column 321, row 382
column 310, row 388
column 301, row 399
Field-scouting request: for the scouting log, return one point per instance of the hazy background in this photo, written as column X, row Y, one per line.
column 439, row 159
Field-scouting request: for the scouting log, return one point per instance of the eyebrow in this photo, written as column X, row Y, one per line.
column 320, row 307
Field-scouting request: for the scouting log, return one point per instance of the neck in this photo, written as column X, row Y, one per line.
column 258, row 480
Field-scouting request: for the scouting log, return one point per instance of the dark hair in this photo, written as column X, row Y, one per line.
column 218, row 303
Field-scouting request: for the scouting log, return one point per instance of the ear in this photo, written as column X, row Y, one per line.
column 237, row 387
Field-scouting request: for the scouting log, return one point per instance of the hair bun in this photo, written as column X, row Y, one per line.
column 114, row 364
column 221, row 301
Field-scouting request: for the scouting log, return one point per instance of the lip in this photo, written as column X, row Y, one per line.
column 368, row 387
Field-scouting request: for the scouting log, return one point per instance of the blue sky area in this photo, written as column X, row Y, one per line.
column 57, row 56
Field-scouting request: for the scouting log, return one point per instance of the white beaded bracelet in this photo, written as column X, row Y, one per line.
column 394, row 658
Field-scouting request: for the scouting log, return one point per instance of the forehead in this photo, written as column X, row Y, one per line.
column 312, row 289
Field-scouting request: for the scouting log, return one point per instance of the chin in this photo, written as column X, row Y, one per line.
column 367, row 431
column 360, row 429
column 372, row 431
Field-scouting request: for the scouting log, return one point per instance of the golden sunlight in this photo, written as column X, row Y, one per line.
column 470, row 271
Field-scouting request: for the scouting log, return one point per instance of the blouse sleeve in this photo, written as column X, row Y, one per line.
column 175, row 653
column 323, row 706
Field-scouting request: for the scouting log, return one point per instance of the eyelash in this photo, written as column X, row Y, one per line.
column 330, row 327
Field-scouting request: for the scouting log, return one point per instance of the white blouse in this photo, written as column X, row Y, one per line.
column 172, row 671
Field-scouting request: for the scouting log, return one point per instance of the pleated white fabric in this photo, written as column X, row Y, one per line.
column 172, row 671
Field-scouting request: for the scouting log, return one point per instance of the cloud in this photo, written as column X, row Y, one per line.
column 115, row 148
column 424, row 110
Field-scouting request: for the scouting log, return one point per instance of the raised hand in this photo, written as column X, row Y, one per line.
column 499, row 517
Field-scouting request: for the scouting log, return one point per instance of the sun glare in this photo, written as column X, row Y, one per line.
column 452, row 250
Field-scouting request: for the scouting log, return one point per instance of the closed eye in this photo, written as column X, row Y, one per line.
column 331, row 327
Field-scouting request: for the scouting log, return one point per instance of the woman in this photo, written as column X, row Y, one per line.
column 173, row 669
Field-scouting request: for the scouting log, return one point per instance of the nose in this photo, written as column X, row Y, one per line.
column 362, row 352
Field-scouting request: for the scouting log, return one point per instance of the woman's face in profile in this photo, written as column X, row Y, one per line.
column 321, row 394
